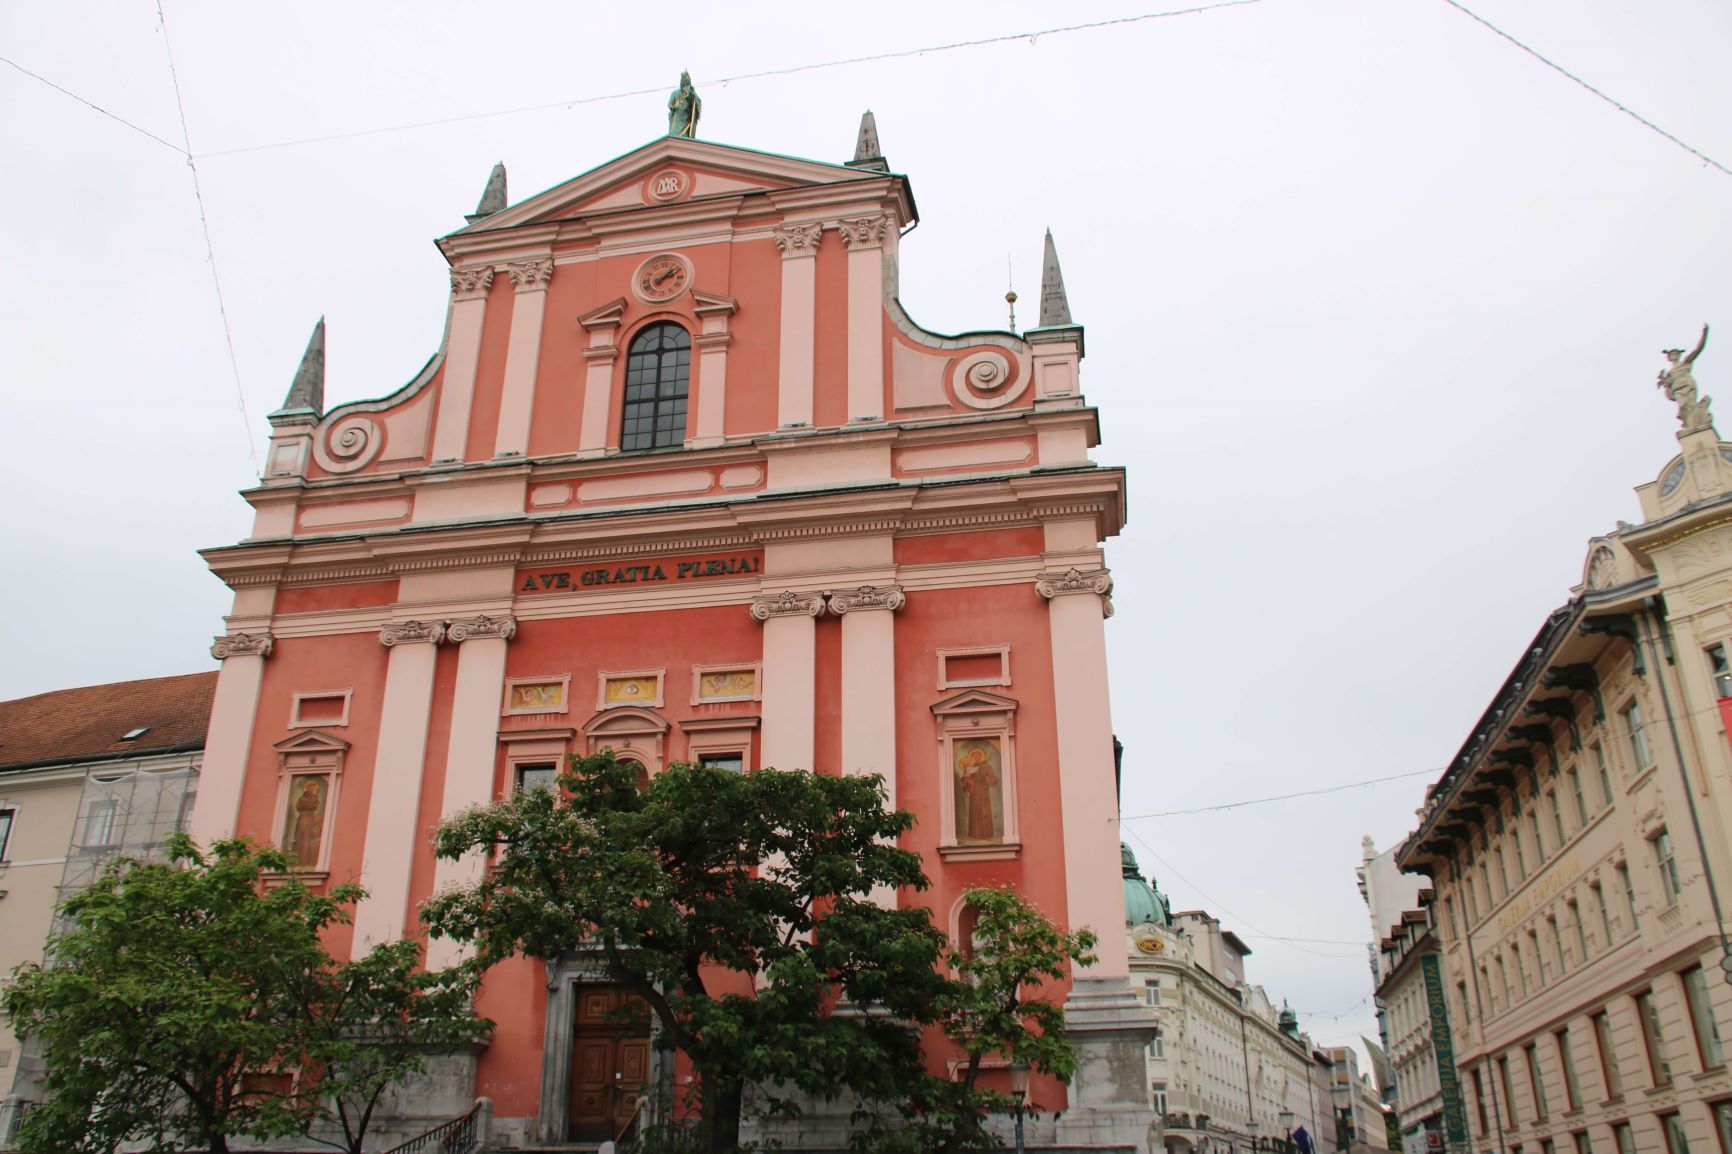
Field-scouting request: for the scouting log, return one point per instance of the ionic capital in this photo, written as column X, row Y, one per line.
column 799, row 239
column 863, row 231
column 472, row 282
column 867, row 597
column 412, row 632
column 1073, row 580
column 242, row 645
column 530, row 275
column 471, row 628
column 787, row 604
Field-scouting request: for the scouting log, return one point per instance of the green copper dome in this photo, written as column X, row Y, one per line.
column 1143, row 902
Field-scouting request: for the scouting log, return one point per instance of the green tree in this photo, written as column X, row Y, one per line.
column 707, row 882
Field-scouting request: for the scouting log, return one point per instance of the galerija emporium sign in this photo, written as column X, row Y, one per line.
column 1448, row 1080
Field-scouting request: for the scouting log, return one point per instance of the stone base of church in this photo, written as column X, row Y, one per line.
column 1110, row 1029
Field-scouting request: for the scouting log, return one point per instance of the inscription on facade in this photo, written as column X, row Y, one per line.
column 660, row 571
column 1554, row 880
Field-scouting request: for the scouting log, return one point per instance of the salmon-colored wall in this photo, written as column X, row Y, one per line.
column 830, row 336
column 827, row 709
column 432, row 798
column 514, row 995
column 314, row 598
column 490, row 370
column 558, row 401
column 757, row 331
column 940, row 547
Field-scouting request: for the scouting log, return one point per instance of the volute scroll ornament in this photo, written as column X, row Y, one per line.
column 242, row 645
column 481, row 626
column 787, row 604
column 888, row 597
column 348, row 444
column 1074, row 580
column 411, row 632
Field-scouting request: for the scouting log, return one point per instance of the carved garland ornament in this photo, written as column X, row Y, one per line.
column 504, row 628
column 472, row 282
column 787, row 604
column 408, row 632
column 1098, row 581
column 242, row 645
column 530, row 275
column 867, row 597
column 863, row 231
column 799, row 239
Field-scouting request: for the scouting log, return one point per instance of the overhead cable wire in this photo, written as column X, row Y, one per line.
column 93, row 106
column 1284, row 796
column 209, row 249
column 897, row 54
column 1561, row 70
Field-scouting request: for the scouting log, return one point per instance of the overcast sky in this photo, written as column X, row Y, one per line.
column 1374, row 306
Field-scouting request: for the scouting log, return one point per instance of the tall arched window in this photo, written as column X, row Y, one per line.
column 658, row 371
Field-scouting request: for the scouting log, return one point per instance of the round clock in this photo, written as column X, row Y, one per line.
column 662, row 278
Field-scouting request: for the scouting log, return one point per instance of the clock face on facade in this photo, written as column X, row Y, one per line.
column 662, row 278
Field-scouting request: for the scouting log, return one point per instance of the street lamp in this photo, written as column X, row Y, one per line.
column 1286, row 1117
column 1019, row 1087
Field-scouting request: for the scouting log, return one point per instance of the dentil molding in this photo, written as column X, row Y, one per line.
column 799, row 239
column 242, row 645
column 504, row 628
column 787, row 604
column 410, row 632
column 867, row 597
column 469, row 283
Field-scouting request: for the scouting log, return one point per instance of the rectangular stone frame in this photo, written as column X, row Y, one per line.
column 721, row 735
column 563, row 977
column 606, row 675
column 1002, row 652
column 309, row 753
column 968, row 715
column 297, row 722
column 698, row 672
column 511, row 683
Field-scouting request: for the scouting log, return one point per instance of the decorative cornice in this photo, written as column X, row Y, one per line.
column 242, row 645
column 530, row 275
column 1074, row 580
column 798, row 239
column 867, row 597
column 787, row 604
column 471, row 282
column 504, row 628
column 407, row 632
column 863, row 231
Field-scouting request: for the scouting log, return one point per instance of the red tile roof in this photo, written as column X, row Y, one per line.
column 86, row 724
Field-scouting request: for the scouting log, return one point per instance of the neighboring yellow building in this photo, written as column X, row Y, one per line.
column 1577, row 841
column 85, row 775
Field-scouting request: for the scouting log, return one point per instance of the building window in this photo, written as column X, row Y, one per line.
column 1539, row 840
column 1605, row 911
column 1608, row 1056
column 1605, row 774
column 1723, row 1125
column 1506, row 1087
column 1722, row 670
column 1623, row 872
column 1581, row 932
column 537, row 776
column 658, row 372
column 1466, row 1016
column 1567, row 1063
column 1502, row 980
column 1668, row 863
column 99, row 824
column 1583, row 1145
column 1449, row 917
column 1152, row 991
column 1515, row 959
column 1579, row 798
column 1502, row 869
column 1632, row 715
column 1532, row 1054
column 1653, row 1043
column 731, row 762
column 1557, row 817
column 1626, row 1140
column 1521, row 860
column 1158, row 1092
column 6, row 816
column 1479, row 1104
column 1702, row 1019
column 1672, row 1125
column 1157, row 1045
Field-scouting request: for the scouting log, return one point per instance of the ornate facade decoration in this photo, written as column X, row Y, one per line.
column 799, row 239
column 863, row 231
column 530, row 275
column 867, row 597
column 1098, row 581
column 1602, row 569
column 787, row 604
column 242, row 645
column 1679, row 385
column 410, row 632
column 472, row 282
column 504, row 628
column 348, row 444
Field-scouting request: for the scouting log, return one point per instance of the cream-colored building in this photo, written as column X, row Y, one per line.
column 1577, row 842
column 85, row 774
column 1410, row 1023
column 1228, row 1073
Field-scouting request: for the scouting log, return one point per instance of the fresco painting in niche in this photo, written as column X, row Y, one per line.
column 631, row 690
column 728, row 683
column 548, row 695
column 304, row 823
column 978, row 770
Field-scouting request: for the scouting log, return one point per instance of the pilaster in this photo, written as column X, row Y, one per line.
column 869, row 688
column 462, row 354
column 599, row 356
column 713, row 311
column 233, row 712
column 388, row 852
column 799, row 245
column 522, row 354
column 789, row 732
column 864, row 238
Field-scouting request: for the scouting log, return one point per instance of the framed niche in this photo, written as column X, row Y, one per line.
column 327, row 708
column 715, row 684
column 979, row 665
column 976, row 733
column 630, row 688
column 634, row 734
column 531, row 695
column 309, row 781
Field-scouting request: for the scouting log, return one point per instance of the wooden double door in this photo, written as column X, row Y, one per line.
column 609, row 1061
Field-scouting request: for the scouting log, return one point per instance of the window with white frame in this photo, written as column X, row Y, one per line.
column 1668, row 867
column 536, row 775
column 1152, row 991
column 100, row 821
column 1158, row 1093
column 1632, row 716
column 7, row 815
column 1604, row 772
column 1721, row 668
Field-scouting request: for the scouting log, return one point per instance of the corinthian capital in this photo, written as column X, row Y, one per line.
column 242, row 645
column 469, row 283
column 1073, row 580
column 412, row 632
column 787, row 604
column 863, row 231
column 530, row 275
column 867, row 597
column 799, row 239
column 504, row 628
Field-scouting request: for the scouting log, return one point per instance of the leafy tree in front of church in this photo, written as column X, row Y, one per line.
column 737, row 906
column 191, row 1002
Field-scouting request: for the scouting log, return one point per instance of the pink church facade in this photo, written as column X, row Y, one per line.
column 684, row 480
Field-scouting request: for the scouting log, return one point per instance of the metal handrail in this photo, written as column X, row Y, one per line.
column 458, row 1136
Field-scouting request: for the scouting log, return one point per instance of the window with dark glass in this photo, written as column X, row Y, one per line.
column 1567, row 1063
column 5, row 831
column 1625, row 1138
column 1723, row 1125
column 1653, row 1043
column 1505, row 1085
column 1608, row 1055
column 1531, row 1053
column 1722, row 670
column 658, row 372
column 543, row 776
column 732, row 762
column 1479, row 1103
column 1702, row 1019
column 1677, row 1142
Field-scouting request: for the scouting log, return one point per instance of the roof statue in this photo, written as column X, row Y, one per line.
column 1679, row 386
column 684, row 108
column 492, row 197
column 1054, row 307
column 866, row 151
column 307, row 393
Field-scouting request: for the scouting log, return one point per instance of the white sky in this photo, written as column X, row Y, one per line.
column 1374, row 304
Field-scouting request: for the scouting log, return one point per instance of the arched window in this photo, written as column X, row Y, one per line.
column 658, row 371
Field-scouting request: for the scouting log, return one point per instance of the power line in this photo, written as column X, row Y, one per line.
column 1285, row 796
column 1561, row 70
column 791, row 70
column 93, row 106
column 209, row 249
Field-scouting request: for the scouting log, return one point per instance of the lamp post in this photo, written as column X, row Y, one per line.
column 1286, row 1117
column 1019, row 1087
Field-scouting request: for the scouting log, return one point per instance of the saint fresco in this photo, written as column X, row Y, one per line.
column 978, row 772
column 304, row 824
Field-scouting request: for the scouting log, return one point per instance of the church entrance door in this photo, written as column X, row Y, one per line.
column 609, row 1061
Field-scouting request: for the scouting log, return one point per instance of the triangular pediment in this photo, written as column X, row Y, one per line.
column 311, row 741
column 975, row 701
column 629, row 181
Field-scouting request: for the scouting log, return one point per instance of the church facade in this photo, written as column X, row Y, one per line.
column 685, row 481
